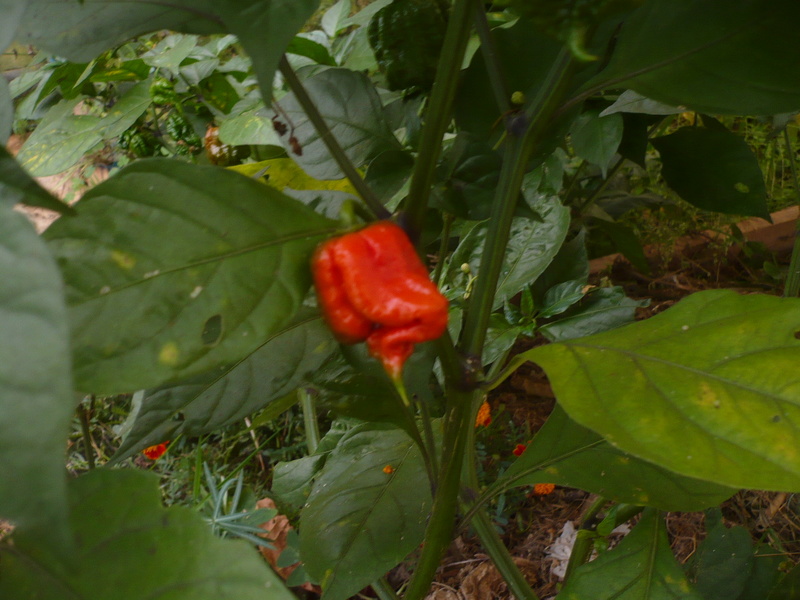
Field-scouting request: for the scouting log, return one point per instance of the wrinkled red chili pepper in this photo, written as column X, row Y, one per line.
column 372, row 286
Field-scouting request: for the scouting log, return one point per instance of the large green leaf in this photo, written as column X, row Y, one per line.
column 567, row 454
column 360, row 520
column 62, row 138
column 601, row 310
column 532, row 245
column 350, row 105
column 215, row 399
column 131, row 548
column 710, row 55
column 642, row 567
column 709, row 388
column 173, row 270
column 81, row 30
column 36, row 403
column 714, row 170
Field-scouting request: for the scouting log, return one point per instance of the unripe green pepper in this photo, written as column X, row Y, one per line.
column 406, row 37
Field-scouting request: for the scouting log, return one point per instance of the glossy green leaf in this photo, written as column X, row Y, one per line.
column 708, row 388
column 710, row 55
column 212, row 400
column 600, row 310
column 81, row 30
column 641, row 567
column 532, row 245
column 724, row 560
column 36, row 402
column 567, row 454
column 19, row 187
column 714, row 170
column 561, row 296
column 595, row 138
column 360, row 521
column 131, row 548
column 165, row 249
column 62, row 138
column 304, row 46
column 350, row 105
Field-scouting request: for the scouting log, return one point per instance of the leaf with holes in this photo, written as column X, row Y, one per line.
column 641, row 567
column 367, row 510
column 222, row 396
column 708, row 388
column 350, row 105
column 567, row 454
column 131, row 548
column 172, row 270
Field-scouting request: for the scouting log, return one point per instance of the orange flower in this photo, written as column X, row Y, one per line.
column 542, row 489
column 519, row 450
column 155, row 452
column 484, row 417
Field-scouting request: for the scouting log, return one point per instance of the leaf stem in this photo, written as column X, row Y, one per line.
column 792, row 289
column 438, row 115
column 491, row 57
column 331, row 143
column 87, row 436
column 582, row 549
column 383, row 590
column 310, row 423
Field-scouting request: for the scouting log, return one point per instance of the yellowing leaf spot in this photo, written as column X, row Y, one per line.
column 623, row 460
column 169, row 354
column 551, row 471
column 281, row 173
column 123, row 260
column 708, row 396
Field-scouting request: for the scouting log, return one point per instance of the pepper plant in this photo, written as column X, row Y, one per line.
column 191, row 283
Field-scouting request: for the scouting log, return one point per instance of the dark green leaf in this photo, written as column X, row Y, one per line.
column 163, row 246
column 723, row 561
column 714, row 170
column 228, row 394
column 561, row 296
column 635, row 137
column 6, row 111
column 633, row 102
column 642, row 567
column 351, row 107
column 131, row 548
column 360, row 521
column 570, row 263
column 219, row 92
column 625, row 241
column 595, row 138
column 129, row 70
column 707, row 388
column 600, row 311
column 567, row 454
column 788, row 588
column 304, row 46
column 82, row 30
column 711, row 55
column 765, row 575
column 36, row 402
column 20, row 187
column 388, row 172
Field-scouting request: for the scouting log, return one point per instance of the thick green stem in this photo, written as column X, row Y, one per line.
column 792, row 289
column 438, row 117
column 327, row 137
column 493, row 63
column 383, row 590
column 518, row 151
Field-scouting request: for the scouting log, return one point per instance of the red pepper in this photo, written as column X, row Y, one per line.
column 372, row 286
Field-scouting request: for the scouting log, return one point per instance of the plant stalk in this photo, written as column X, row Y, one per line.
column 438, row 114
column 792, row 289
column 309, row 419
column 491, row 57
column 327, row 137
column 582, row 549
column 383, row 590
column 518, row 151
column 87, row 436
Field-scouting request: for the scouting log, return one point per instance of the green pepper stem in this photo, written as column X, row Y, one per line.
column 518, row 151
column 331, row 143
column 310, row 423
column 438, row 114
